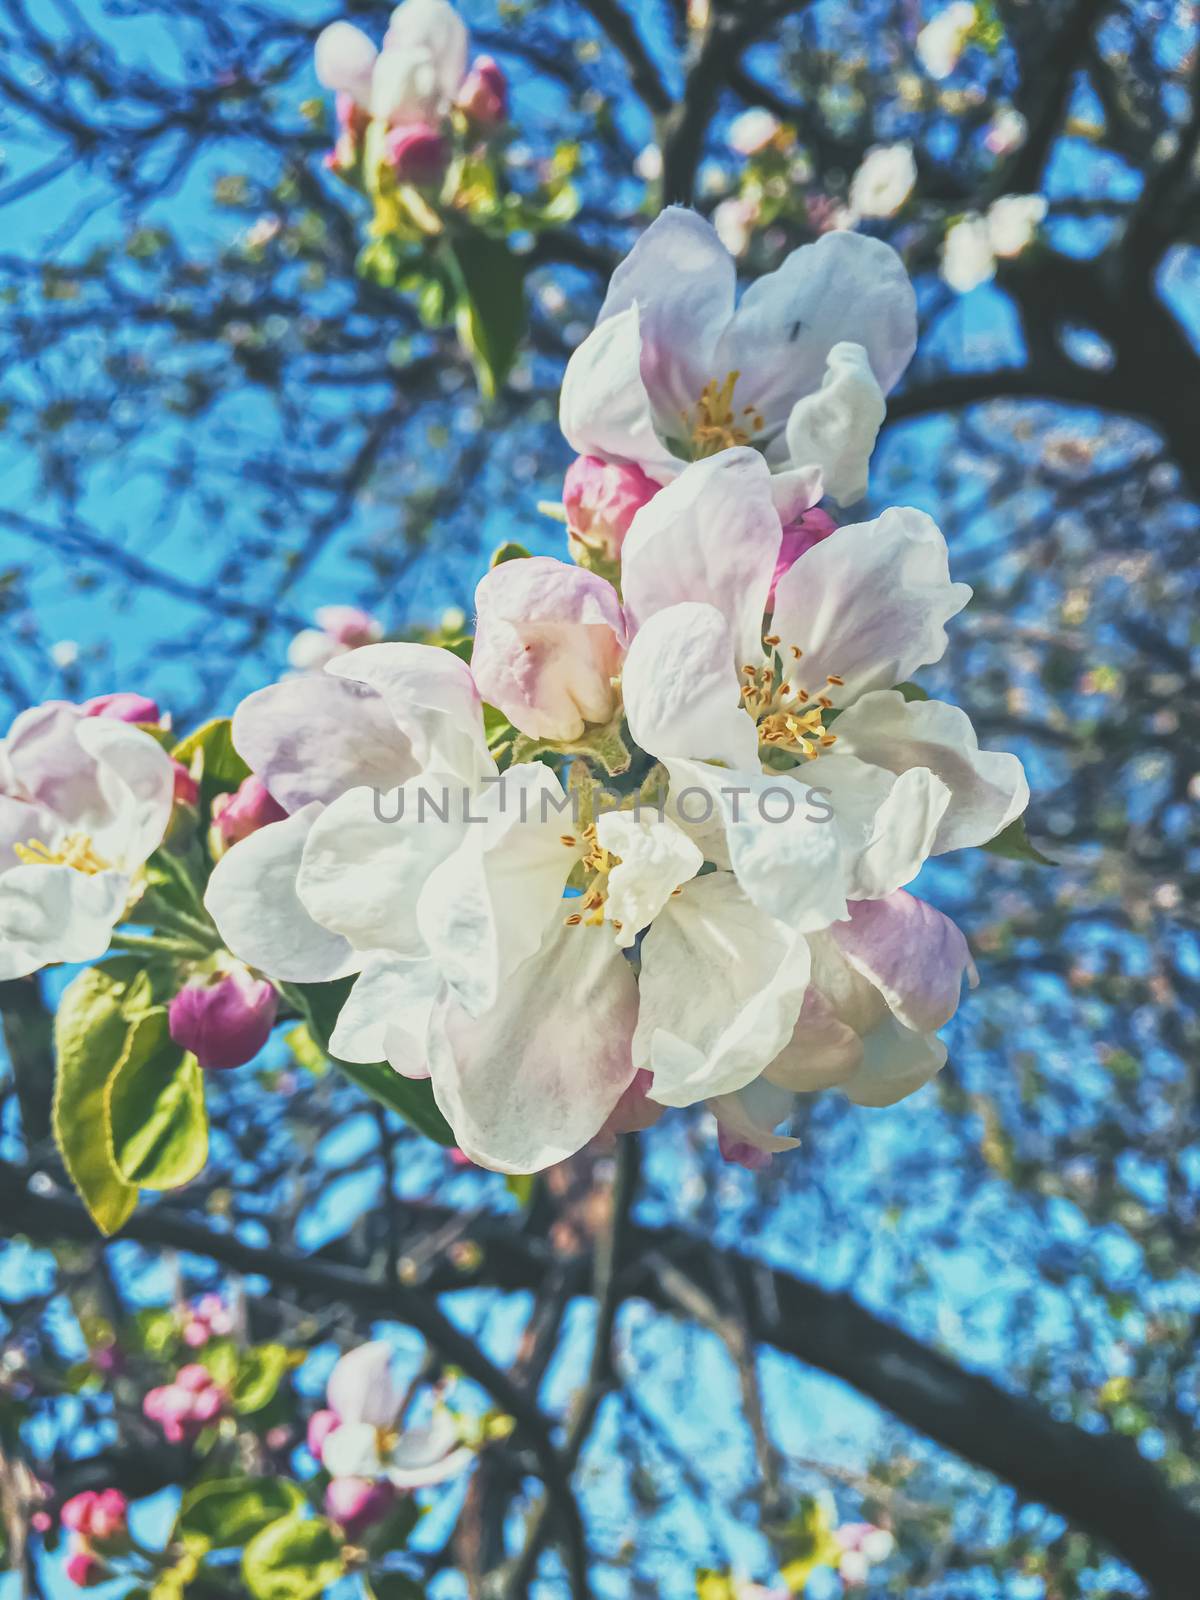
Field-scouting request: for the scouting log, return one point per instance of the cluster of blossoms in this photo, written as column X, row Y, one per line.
column 681, row 874
column 98, row 1525
column 191, row 1402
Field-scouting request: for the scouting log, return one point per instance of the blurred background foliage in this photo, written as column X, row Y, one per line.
column 212, row 425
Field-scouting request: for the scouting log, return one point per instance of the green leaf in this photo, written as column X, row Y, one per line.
column 306, row 1051
column 491, row 315
column 227, row 1512
column 521, row 1185
column 222, row 769
column 222, row 1358
column 911, row 691
column 510, row 550
column 90, row 1033
column 260, row 1373
column 156, row 1108
column 1013, row 844
column 292, row 1559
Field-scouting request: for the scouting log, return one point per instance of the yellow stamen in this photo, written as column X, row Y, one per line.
column 712, row 424
column 76, row 850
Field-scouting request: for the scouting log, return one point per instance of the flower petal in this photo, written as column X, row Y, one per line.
column 386, row 1015
column 823, row 1050
column 352, row 1451
column 429, row 1454
column 435, row 27
column 896, row 1063
column 749, row 1116
column 603, row 407
column 252, row 898
column 867, row 606
column 913, row 955
column 886, row 826
column 712, row 536
column 836, row 426
column 54, row 913
column 683, row 696
column 137, row 779
column 655, row 858
column 530, row 1082
column 361, row 1387
column 721, row 988
column 433, row 698
column 988, row 789
column 345, row 58
column 312, row 738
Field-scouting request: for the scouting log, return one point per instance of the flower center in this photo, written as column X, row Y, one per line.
column 787, row 715
column 712, row 424
column 76, row 850
column 595, row 864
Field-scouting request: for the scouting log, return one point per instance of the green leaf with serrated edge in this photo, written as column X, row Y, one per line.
column 260, row 1372
column 292, row 1559
column 491, row 315
column 222, row 768
column 1013, row 844
column 90, row 1033
column 155, row 1103
column 411, row 1098
column 227, row 1512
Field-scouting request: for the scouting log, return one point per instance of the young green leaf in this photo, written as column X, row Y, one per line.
column 292, row 1559
column 491, row 305
column 226, row 1512
column 1013, row 844
column 155, row 1103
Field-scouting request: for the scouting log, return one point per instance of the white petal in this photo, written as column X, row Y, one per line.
column 344, row 60
column 369, row 856
column 913, row 955
column 428, row 1455
column 869, row 605
column 386, row 1015
column 603, row 406
column 720, row 990
column 896, row 1062
column 987, row 788
column 885, row 825
column 846, row 286
column 786, row 855
column 836, row 427
column 50, row 766
column 361, row 1387
column 682, row 280
column 751, row 1114
column 683, row 694
column 137, row 779
column 54, row 913
column 252, row 898
column 433, row 26
column 823, row 1050
column 656, row 857
column 433, row 698
column 486, row 908
column 712, row 536
column 532, row 1081
column 313, row 738
column 352, row 1451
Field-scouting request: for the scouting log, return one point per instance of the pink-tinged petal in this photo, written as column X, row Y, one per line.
column 417, row 153
column 22, row 821
column 48, row 764
column 603, row 407
column 530, row 1082
column 867, row 606
column 345, row 59
column 896, row 1063
column 683, row 281
column 123, row 706
column 988, row 789
column 836, row 426
column 808, row 530
column 349, row 626
column 224, row 1021
column 312, row 738
column 352, row 1451
column 915, row 957
column 357, row 1504
column 683, row 694
column 361, row 1387
column 746, row 1121
column 549, row 639
column 253, row 806
column 600, row 499
column 823, row 1050
column 136, row 777
column 845, row 287
column 320, row 1425
column 721, row 988
column 794, row 490
column 432, row 697
column 252, row 898
column 483, row 97
column 712, row 536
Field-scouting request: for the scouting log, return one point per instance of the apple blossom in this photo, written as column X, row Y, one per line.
column 674, row 371
column 968, row 258
column 224, row 1018
column 84, row 801
column 339, row 628
column 208, row 1318
column 942, row 40
column 752, row 131
column 99, row 1517
column 368, row 1441
column 84, row 1567
column 600, row 499
column 417, row 153
column 1013, row 222
column 187, row 1405
column 809, row 529
column 1006, row 132
column 236, row 816
column 734, row 221
column 483, row 97
column 884, row 180
column 863, row 1546
column 357, row 1504
column 124, row 706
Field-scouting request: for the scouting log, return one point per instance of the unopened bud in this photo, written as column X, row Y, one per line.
column 225, row 1019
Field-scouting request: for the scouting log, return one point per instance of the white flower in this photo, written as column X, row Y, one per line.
column 968, row 258
column 84, row 801
column 648, row 163
column 734, row 221
column 752, row 131
column 367, row 1443
column 1006, row 132
column 675, row 372
column 1013, row 222
column 416, row 75
column 942, row 40
column 884, row 180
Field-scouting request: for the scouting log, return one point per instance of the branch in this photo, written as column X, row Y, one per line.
column 643, row 71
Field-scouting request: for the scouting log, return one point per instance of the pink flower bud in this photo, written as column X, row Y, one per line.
column 77, row 1511
column 811, row 527
column 224, row 1021
column 84, row 1567
column 187, row 790
column 320, row 1425
column 600, row 500
column 416, row 153
column 740, row 1154
column 349, row 626
column 484, row 94
column 236, row 816
column 124, row 706
column 358, row 1503
column 194, row 1378
column 41, row 1522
